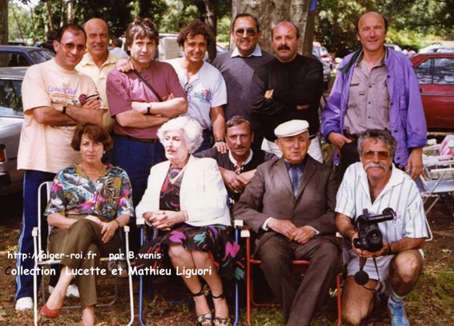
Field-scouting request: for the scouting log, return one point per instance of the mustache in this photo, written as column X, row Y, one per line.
column 283, row 47
column 375, row 165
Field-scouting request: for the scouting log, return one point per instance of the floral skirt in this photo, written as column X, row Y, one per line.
column 216, row 239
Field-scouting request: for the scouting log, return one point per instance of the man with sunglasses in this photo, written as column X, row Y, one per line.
column 238, row 66
column 374, row 184
column 375, row 88
column 51, row 95
column 288, row 87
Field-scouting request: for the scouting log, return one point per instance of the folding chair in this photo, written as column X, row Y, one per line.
column 42, row 259
column 438, row 179
column 251, row 261
column 140, row 221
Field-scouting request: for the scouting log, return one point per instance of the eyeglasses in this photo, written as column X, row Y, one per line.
column 382, row 155
column 70, row 46
column 249, row 31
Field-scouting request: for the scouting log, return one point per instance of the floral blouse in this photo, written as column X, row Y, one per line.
column 73, row 192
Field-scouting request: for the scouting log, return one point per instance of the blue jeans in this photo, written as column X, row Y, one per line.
column 136, row 158
column 32, row 180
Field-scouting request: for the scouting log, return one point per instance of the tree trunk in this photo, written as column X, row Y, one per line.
column 3, row 21
column 211, row 21
column 270, row 12
column 70, row 12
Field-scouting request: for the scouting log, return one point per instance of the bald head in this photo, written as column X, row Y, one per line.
column 97, row 39
column 372, row 14
column 288, row 25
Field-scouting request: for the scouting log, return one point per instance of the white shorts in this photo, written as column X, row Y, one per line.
column 382, row 265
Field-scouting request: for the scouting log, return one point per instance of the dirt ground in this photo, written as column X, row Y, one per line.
column 431, row 303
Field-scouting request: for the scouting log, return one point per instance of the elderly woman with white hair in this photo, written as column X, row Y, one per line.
column 186, row 200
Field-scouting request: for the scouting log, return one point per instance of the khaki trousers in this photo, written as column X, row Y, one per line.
column 81, row 247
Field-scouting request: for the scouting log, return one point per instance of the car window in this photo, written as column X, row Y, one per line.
column 39, row 56
column 424, row 72
column 10, row 59
column 10, row 96
column 443, row 72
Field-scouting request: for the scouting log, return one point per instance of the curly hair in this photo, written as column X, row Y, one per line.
column 194, row 28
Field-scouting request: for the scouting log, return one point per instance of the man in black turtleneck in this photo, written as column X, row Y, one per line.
column 288, row 87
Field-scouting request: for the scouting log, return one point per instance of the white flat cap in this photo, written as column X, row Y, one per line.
column 291, row 128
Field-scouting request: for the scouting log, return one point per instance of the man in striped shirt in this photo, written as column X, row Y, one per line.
column 375, row 184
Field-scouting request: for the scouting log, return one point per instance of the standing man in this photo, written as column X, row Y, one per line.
column 238, row 68
column 376, row 88
column 98, row 62
column 204, row 85
column 375, row 184
column 288, row 87
column 141, row 100
column 238, row 164
column 290, row 204
column 51, row 93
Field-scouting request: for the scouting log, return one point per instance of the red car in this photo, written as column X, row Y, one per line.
column 435, row 73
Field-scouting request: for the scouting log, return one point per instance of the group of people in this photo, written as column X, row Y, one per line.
column 194, row 144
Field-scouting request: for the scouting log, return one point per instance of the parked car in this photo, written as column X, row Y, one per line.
column 435, row 73
column 441, row 47
column 19, row 56
column 322, row 54
column 11, row 118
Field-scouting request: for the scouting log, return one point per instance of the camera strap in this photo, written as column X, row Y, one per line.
column 379, row 284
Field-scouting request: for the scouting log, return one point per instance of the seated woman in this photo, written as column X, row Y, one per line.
column 89, row 203
column 187, row 200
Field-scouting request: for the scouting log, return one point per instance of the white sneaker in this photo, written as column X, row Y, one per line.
column 72, row 291
column 24, row 303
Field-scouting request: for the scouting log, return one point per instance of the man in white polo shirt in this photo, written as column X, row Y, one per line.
column 204, row 85
column 375, row 184
column 52, row 94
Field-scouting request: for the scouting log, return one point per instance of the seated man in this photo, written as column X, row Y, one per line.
column 375, row 184
column 238, row 164
column 290, row 205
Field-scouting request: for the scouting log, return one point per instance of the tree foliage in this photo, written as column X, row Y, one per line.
column 409, row 20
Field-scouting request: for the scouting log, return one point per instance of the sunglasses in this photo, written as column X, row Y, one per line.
column 382, row 155
column 248, row 31
column 71, row 46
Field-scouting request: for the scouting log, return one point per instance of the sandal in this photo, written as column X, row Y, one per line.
column 205, row 319
column 221, row 321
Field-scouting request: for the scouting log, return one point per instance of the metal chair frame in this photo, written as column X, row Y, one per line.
column 140, row 221
column 41, row 261
column 251, row 261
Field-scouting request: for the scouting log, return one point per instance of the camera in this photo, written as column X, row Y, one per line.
column 370, row 237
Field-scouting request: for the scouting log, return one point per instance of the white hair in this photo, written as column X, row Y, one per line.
column 190, row 128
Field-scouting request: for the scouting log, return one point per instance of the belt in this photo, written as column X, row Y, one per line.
column 142, row 140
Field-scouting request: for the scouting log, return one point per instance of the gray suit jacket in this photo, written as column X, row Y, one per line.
column 269, row 194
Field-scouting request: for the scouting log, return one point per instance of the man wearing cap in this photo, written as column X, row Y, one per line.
column 289, row 204
column 288, row 87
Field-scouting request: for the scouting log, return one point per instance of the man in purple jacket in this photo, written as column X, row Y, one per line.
column 376, row 88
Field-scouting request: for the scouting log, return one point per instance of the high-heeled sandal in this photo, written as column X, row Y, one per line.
column 220, row 321
column 203, row 319
column 45, row 311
